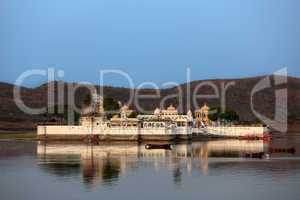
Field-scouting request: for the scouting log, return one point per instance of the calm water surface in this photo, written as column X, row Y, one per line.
column 217, row 169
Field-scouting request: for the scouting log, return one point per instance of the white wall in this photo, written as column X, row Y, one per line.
column 84, row 130
column 237, row 131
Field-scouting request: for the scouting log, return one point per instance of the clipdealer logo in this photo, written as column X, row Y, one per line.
column 279, row 123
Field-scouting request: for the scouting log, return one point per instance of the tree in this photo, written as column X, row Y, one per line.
column 213, row 113
column 111, row 107
column 69, row 110
column 87, row 100
column 61, row 113
column 132, row 115
column 228, row 115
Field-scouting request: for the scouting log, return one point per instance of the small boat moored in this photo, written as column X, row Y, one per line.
column 158, row 146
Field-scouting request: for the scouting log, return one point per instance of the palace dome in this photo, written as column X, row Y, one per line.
column 157, row 111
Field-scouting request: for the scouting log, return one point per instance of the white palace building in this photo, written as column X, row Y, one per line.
column 163, row 124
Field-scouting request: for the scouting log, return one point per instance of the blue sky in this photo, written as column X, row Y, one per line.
column 151, row 40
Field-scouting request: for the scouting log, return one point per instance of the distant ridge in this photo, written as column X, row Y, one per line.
column 238, row 98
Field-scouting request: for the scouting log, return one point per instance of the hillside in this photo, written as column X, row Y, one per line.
column 237, row 98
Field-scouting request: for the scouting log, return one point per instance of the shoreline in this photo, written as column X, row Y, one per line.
column 32, row 135
column 17, row 135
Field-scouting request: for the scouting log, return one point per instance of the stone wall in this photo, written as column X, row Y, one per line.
column 233, row 131
column 98, row 130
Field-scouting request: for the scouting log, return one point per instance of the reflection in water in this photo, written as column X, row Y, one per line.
column 100, row 170
column 105, row 163
column 177, row 175
column 61, row 165
column 218, row 169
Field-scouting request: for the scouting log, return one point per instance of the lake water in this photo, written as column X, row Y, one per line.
column 219, row 169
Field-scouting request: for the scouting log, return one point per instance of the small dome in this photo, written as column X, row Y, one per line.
column 190, row 115
column 171, row 108
column 157, row 111
column 205, row 107
column 115, row 116
column 125, row 108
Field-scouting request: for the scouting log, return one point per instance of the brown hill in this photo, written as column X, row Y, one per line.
column 237, row 98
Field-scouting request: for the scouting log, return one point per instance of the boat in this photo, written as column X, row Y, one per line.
column 158, row 146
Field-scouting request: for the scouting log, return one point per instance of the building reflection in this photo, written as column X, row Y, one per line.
column 104, row 171
column 105, row 163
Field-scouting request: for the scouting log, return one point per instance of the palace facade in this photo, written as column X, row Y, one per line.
column 201, row 116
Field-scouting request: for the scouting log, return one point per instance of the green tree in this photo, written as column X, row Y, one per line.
column 69, row 110
column 132, row 115
column 213, row 113
column 111, row 107
column 87, row 100
column 228, row 115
